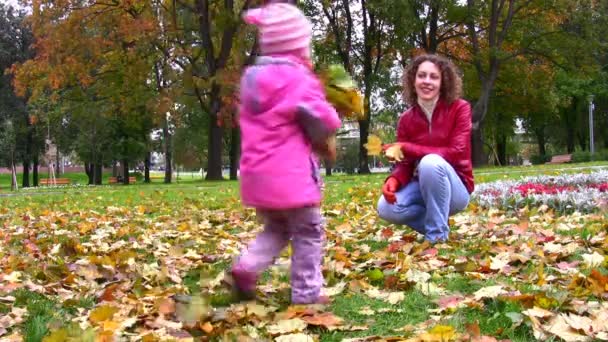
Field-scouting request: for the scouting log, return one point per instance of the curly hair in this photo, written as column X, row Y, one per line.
column 451, row 82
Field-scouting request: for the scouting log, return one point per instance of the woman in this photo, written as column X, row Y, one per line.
column 435, row 177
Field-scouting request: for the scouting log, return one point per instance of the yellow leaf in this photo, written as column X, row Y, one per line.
column 394, row 152
column 439, row 333
column 285, row 326
column 102, row 313
column 374, row 145
column 56, row 336
column 151, row 337
column 258, row 310
column 110, row 325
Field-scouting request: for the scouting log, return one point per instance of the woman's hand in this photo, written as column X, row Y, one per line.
column 389, row 189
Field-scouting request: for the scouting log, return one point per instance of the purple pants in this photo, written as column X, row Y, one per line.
column 304, row 227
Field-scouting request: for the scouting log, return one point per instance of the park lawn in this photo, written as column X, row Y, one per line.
column 485, row 174
column 111, row 257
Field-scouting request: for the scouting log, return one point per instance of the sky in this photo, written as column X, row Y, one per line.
column 10, row 2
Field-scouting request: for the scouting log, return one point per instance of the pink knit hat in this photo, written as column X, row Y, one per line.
column 282, row 28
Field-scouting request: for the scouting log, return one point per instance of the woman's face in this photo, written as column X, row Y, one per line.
column 428, row 81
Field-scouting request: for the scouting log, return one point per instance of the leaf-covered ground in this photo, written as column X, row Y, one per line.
column 146, row 263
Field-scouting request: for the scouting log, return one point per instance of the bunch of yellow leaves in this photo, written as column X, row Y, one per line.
column 341, row 91
column 374, row 148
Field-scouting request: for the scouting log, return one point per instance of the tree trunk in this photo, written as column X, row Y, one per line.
column 88, row 169
column 235, row 144
column 214, row 164
column 582, row 141
column 25, row 182
column 125, row 171
column 328, row 165
column 478, row 155
column 58, row 164
column 114, row 169
column 540, row 139
column 167, row 151
column 501, row 150
column 14, row 186
column 147, row 168
column 98, row 172
column 570, row 138
column 35, row 171
column 363, row 133
column 433, row 27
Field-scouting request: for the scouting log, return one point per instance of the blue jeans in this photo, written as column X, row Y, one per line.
column 426, row 203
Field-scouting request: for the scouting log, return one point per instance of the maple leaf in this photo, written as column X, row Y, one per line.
column 286, row 326
column 166, row 306
column 102, row 313
column 258, row 310
column 489, row 292
column 538, row 312
column 438, row 333
column 559, row 326
column 598, row 282
column 593, row 260
column 299, row 337
column 13, row 277
column 373, row 145
column 326, row 319
column 450, row 302
column 394, row 152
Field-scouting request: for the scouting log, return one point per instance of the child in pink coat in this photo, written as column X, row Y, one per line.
column 284, row 118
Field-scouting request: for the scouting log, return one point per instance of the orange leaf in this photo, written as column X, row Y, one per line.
column 326, row 319
column 207, row 327
column 387, row 233
column 108, row 293
column 598, row 282
column 166, row 306
column 473, row 329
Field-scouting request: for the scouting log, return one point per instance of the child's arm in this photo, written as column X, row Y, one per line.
column 317, row 117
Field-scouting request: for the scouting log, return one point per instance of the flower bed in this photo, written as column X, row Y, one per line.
column 565, row 193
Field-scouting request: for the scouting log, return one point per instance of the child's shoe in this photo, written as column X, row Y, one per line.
column 242, row 283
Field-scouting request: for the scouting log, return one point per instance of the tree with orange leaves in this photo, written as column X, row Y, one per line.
column 93, row 61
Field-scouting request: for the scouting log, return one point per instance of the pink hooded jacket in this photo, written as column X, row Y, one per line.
column 282, row 107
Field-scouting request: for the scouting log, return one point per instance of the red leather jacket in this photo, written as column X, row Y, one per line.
column 448, row 135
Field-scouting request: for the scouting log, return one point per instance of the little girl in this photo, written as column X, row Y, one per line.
column 284, row 119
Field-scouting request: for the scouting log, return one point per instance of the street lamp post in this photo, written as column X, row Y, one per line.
column 591, row 107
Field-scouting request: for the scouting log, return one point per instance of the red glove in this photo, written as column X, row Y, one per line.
column 389, row 188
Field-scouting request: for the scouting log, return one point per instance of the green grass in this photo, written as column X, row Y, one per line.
column 493, row 319
column 158, row 199
column 413, row 310
column 457, row 283
column 41, row 311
